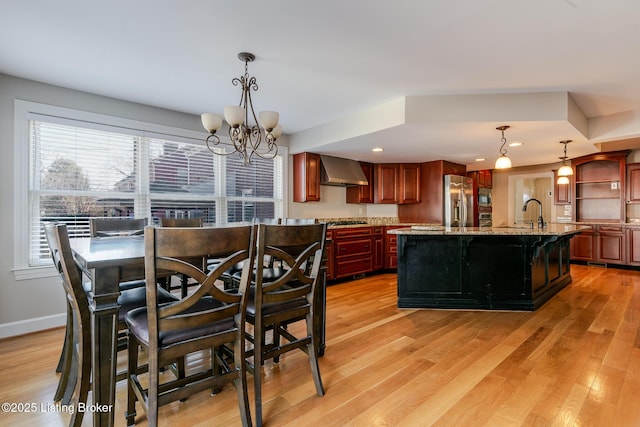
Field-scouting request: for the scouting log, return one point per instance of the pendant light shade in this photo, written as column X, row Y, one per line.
column 565, row 170
column 503, row 162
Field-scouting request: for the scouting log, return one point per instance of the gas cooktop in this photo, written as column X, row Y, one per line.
column 346, row 222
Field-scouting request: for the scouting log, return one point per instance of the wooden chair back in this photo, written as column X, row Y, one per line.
column 300, row 248
column 71, row 277
column 181, row 222
column 108, row 227
column 176, row 250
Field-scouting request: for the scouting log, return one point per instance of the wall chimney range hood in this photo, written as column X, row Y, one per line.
column 338, row 171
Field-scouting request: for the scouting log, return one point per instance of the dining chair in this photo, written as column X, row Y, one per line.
column 181, row 222
column 208, row 319
column 231, row 277
column 75, row 370
column 275, row 304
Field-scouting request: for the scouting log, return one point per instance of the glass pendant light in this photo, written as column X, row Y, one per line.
column 565, row 170
column 503, row 162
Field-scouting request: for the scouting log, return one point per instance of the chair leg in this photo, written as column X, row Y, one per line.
column 313, row 357
column 66, row 356
column 152, row 399
column 258, row 335
column 240, row 383
column 84, row 373
column 132, row 368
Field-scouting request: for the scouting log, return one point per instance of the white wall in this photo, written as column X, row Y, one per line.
column 28, row 305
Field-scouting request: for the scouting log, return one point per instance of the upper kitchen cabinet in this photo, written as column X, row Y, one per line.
column 397, row 183
column 362, row 193
column 482, row 178
column 599, row 194
column 409, row 185
column 431, row 189
column 306, row 177
column 633, row 183
column 386, row 180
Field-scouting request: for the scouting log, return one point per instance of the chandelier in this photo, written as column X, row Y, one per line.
column 247, row 140
column 565, row 170
column 503, row 162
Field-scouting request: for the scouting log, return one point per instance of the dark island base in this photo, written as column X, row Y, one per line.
column 481, row 272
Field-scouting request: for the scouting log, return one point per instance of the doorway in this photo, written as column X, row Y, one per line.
column 530, row 186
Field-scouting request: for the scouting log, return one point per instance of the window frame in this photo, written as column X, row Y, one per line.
column 24, row 111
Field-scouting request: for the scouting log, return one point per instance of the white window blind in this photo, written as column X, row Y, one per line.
column 79, row 171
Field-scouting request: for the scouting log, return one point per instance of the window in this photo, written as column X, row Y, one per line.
column 79, row 170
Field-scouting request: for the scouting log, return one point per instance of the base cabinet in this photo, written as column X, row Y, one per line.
column 482, row 272
column 602, row 244
column 353, row 251
column 633, row 246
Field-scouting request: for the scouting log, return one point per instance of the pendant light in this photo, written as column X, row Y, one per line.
column 503, row 162
column 565, row 170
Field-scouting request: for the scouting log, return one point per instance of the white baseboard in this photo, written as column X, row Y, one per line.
column 32, row 325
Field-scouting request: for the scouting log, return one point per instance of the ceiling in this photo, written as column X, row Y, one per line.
column 426, row 80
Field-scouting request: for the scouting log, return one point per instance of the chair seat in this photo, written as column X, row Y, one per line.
column 136, row 298
column 275, row 307
column 137, row 321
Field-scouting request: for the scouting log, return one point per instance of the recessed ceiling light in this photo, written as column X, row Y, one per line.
column 378, row 149
column 480, row 159
column 516, row 144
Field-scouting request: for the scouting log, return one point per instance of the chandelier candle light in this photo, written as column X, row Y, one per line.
column 503, row 162
column 247, row 139
column 565, row 170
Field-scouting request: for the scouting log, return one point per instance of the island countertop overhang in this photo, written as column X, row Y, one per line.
column 554, row 229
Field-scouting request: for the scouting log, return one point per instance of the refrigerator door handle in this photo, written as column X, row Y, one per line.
column 463, row 220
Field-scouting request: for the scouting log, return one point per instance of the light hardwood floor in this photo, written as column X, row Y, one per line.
column 575, row 361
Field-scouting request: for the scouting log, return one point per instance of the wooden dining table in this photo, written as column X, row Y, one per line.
column 107, row 261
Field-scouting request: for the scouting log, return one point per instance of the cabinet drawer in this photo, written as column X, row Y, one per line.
column 352, row 247
column 345, row 233
column 353, row 266
column 610, row 228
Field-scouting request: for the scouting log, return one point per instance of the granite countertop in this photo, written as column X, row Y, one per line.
column 437, row 230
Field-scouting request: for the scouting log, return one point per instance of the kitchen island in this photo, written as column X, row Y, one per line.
column 501, row 268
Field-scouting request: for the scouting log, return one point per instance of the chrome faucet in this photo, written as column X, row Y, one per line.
column 540, row 220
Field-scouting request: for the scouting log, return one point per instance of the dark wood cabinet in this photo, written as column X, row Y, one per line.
column 306, row 177
column 611, row 244
column 353, row 251
column 482, row 178
column 583, row 246
column 430, row 208
column 362, row 193
column 599, row 194
column 562, row 192
column 391, row 248
column 605, row 244
column 386, row 183
column 328, row 251
column 633, row 246
column 409, row 183
column 633, row 183
column 378, row 248
column 397, row 183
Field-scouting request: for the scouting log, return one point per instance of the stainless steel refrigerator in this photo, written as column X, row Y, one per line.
column 458, row 201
